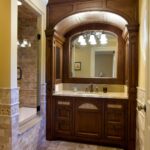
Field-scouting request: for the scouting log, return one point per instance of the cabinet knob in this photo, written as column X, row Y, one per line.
column 141, row 107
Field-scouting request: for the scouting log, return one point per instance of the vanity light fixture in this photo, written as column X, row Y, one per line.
column 24, row 43
column 19, row 3
column 93, row 38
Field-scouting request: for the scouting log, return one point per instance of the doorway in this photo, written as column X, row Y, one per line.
column 28, row 62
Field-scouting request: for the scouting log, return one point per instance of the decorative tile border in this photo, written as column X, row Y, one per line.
column 9, row 96
column 9, row 102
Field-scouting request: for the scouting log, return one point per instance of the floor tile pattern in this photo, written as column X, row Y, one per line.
column 62, row 145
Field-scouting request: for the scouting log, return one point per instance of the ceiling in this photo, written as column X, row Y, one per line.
column 26, row 12
column 90, row 17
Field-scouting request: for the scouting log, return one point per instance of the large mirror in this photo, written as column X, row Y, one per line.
column 94, row 54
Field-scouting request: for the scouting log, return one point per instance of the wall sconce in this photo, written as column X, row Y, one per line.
column 24, row 43
column 19, row 3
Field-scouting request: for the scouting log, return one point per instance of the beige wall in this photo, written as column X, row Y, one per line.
column 8, row 47
column 83, row 56
column 8, row 40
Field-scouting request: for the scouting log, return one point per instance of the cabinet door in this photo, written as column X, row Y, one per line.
column 64, row 113
column 114, row 127
column 88, row 118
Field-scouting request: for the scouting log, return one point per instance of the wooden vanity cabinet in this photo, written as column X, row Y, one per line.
column 88, row 118
column 96, row 120
column 63, row 119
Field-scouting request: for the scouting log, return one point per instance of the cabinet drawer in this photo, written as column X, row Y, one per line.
column 114, row 131
column 114, row 112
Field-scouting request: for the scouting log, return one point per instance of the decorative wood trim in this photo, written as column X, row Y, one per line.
column 88, row 106
column 116, row 106
column 63, row 103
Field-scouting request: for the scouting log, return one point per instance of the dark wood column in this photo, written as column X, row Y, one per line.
column 49, row 83
column 132, row 83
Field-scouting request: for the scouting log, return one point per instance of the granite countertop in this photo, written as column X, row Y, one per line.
column 117, row 95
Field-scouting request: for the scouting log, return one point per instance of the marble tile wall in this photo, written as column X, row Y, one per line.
column 35, row 136
column 140, row 121
column 9, row 111
column 10, row 139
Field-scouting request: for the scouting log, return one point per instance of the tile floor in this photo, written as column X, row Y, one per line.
column 61, row 145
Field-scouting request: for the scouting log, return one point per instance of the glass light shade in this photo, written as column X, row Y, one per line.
column 19, row 3
column 81, row 38
column 25, row 42
column 83, row 42
column 92, row 40
column 103, row 39
column 23, row 45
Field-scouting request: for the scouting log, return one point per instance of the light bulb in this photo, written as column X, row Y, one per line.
column 92, row 40
column 25, row 42
column 103, row 39
column 19, row 3
column 80, row 38
column 23, row 45
column 83, row 42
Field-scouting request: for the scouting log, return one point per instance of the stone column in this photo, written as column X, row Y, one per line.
column 9, row 110
column 42, row 135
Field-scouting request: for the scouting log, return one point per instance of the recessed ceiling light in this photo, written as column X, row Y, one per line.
column 19, row 3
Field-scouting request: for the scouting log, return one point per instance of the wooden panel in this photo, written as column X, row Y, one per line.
column 63, row 127
column 88, row 120
column 89, row 5
column 115, row 121
column 88, row 123
column 114, row 131
column 63, row 116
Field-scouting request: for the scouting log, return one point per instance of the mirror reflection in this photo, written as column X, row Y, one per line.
column 94, row 54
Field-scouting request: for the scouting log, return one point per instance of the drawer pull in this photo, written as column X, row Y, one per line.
column 114, row 106
column 63, row 103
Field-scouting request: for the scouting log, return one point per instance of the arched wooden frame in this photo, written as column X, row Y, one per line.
column 128, row 9
column 120, row 63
